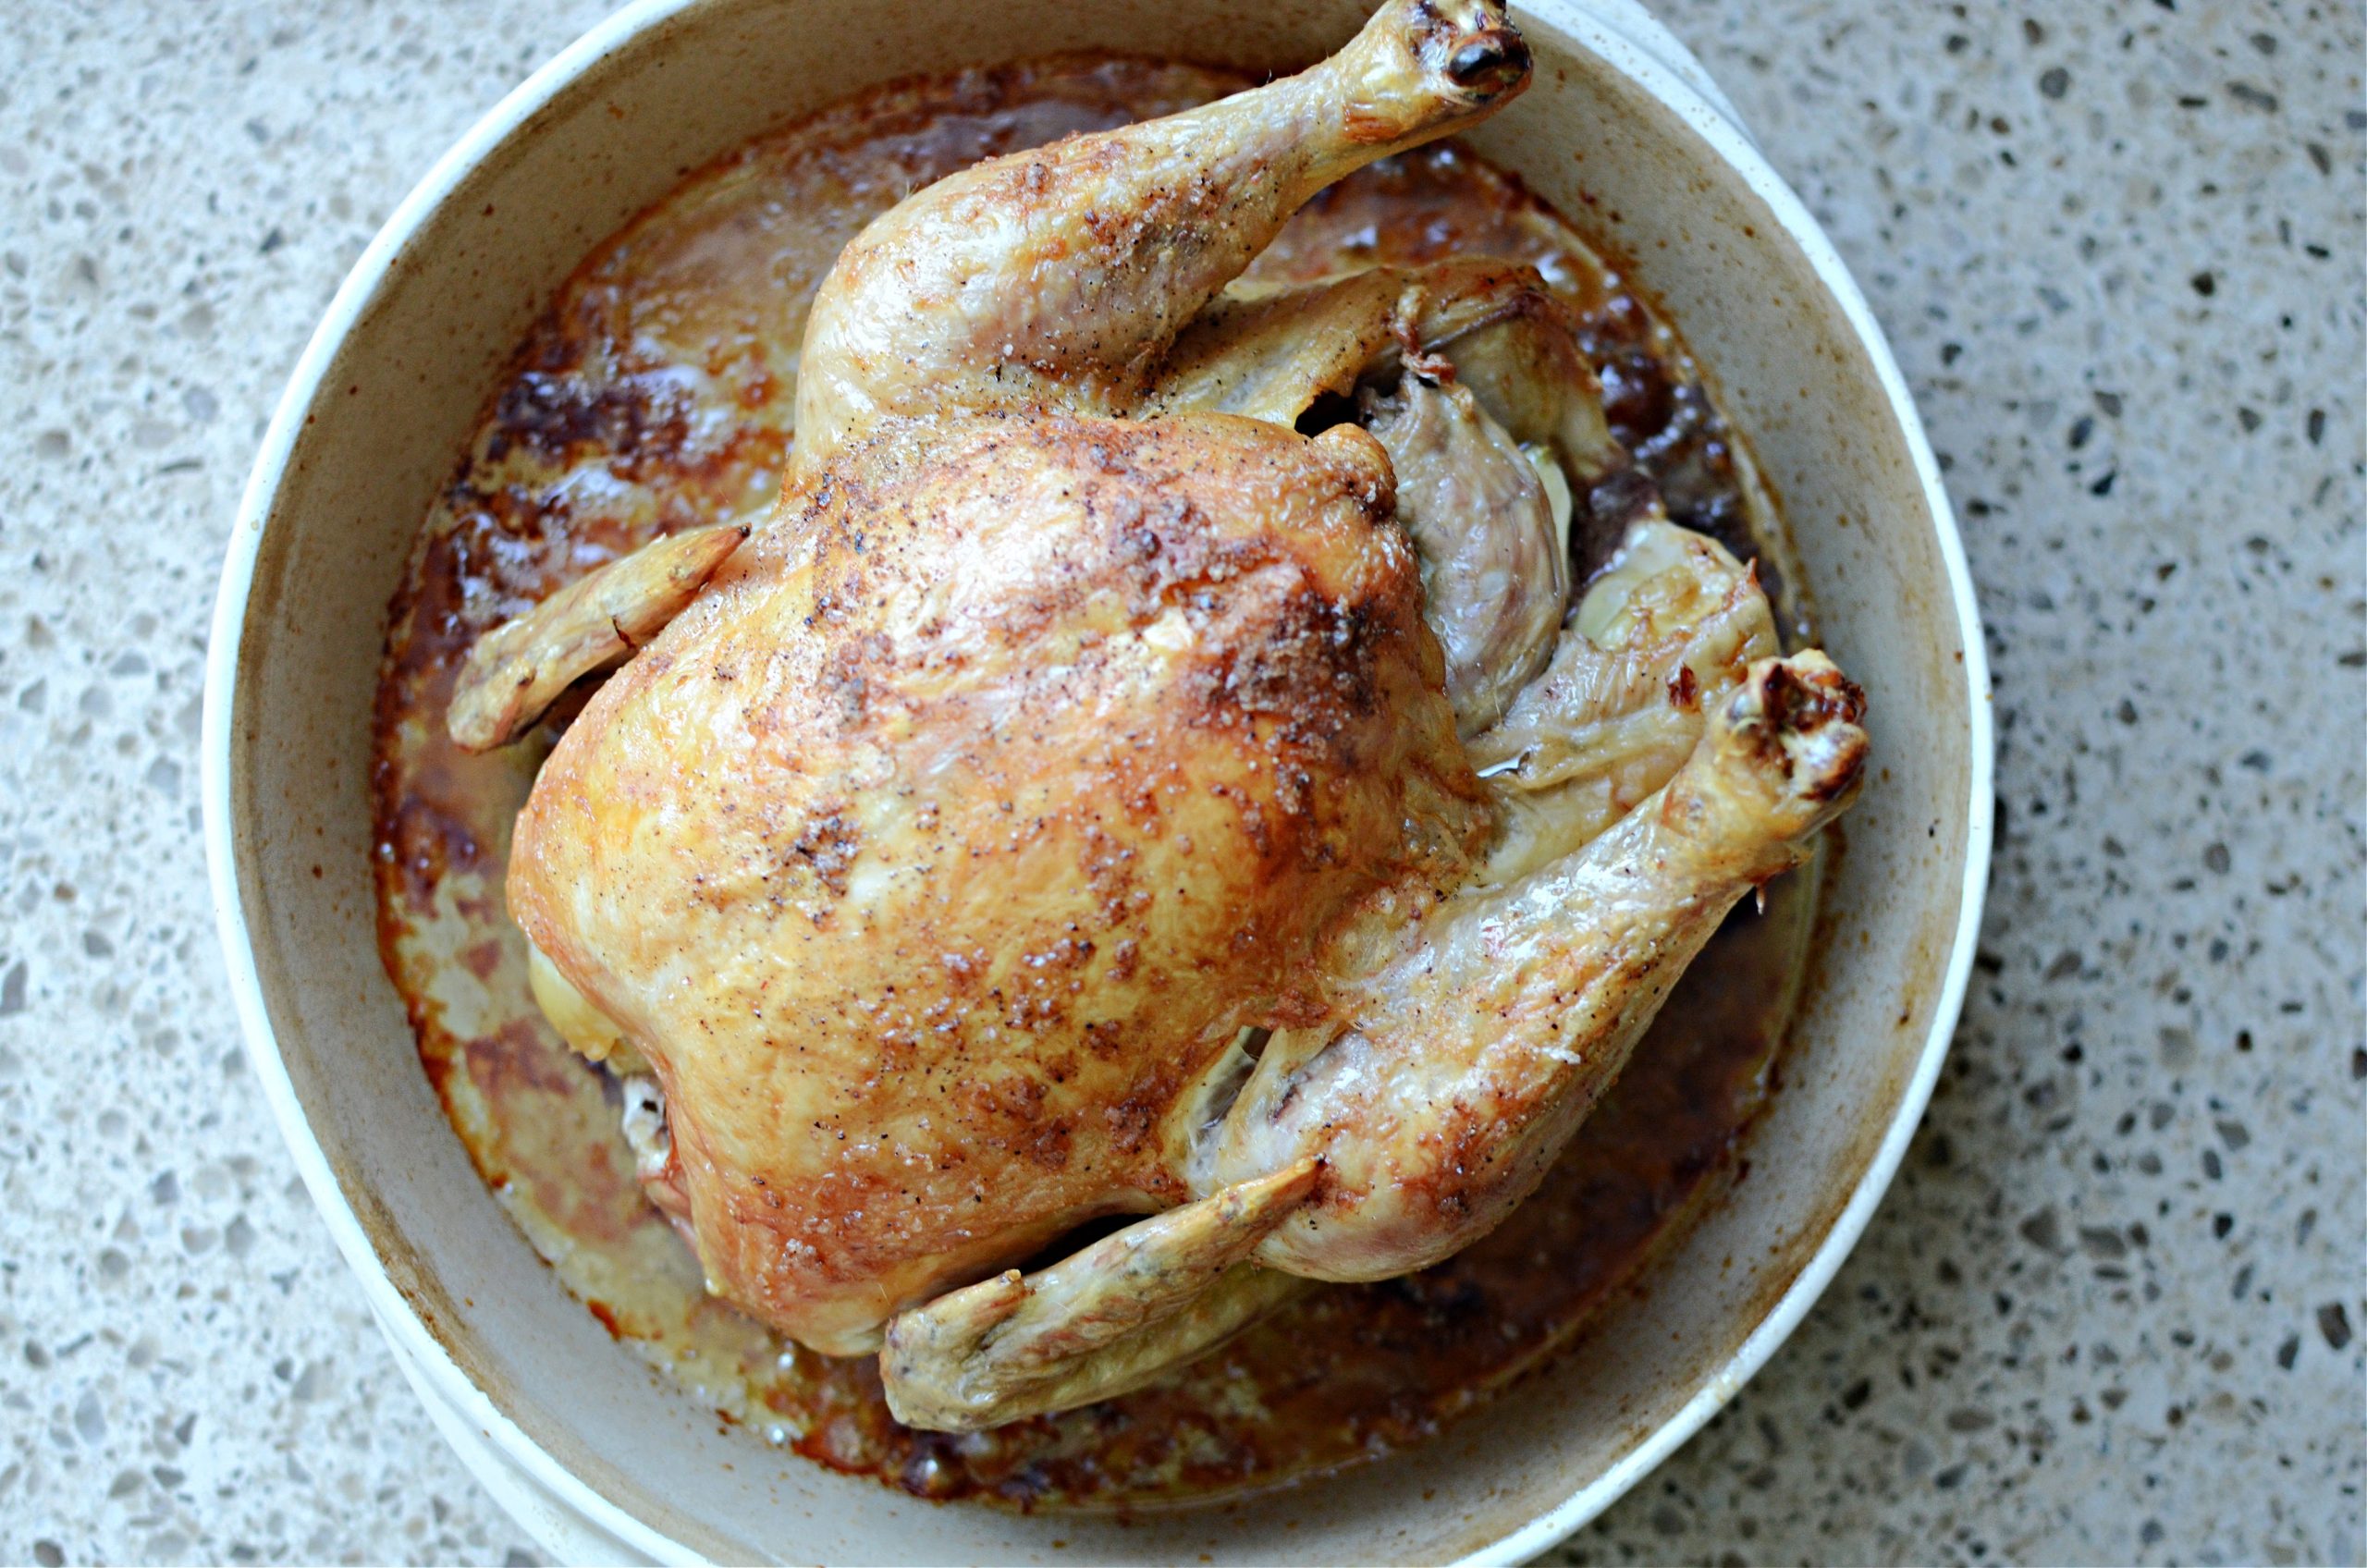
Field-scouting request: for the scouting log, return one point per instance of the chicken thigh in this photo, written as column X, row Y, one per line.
column 1090, row 795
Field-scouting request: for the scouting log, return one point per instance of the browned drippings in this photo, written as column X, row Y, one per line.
column 656, row 395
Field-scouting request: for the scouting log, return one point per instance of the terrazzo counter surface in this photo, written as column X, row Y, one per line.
column 2111, row 1310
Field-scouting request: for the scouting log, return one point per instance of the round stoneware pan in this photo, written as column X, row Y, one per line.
column 599, row 1457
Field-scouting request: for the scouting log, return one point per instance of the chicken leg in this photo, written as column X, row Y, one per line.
column 1480, row 1031
column 1056, row 279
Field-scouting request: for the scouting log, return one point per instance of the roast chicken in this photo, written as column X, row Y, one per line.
column 1149, row 769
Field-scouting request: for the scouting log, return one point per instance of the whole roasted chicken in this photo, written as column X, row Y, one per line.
column 1149, row 764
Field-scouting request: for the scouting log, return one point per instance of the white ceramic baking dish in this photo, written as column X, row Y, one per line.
column 601, row 1460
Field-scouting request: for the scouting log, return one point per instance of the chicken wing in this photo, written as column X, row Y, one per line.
column 518, row 670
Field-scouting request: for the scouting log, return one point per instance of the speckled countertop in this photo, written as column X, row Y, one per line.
column 2111, row 1311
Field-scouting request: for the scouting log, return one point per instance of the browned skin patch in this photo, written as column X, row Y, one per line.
column 1351, row 1371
